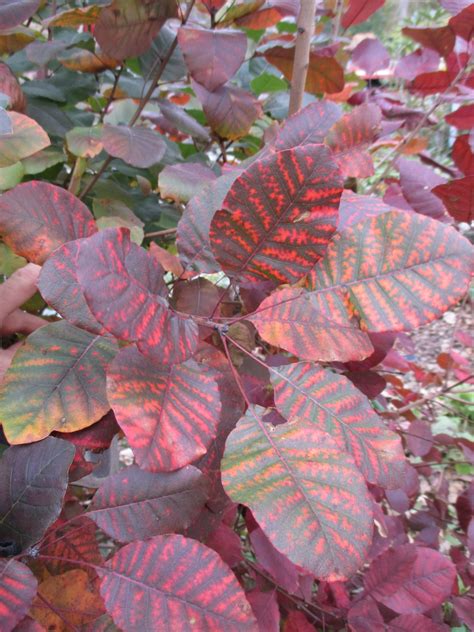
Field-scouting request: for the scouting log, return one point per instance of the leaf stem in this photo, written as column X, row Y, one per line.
column 112, row 94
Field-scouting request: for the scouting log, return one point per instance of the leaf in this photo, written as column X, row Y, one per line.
column 137, row 146
column 26, row 139
column 462, row 118
column 36, row 217
column 308, row 125
column 230, row 111
column 325, row 74
column 212, row 601
column 463, row 23
column 370, row 56
column 164, row 502
column 75, row 600
column 278, row 232
column 364, row 616
column 124, row 288
column 72, row 18
column 463, row 156
column 350, row 137
column 265, row 608
column 372, row 271
column 289, row 320
column 17, row 590
column 60, row 288
column 33, row 483
column 333, row 405
column 13, row 40
column 212, row 56
column 355, row 208
column 168, row 414
column 415, row 623
column 428, row 583
column 14, row 12
column 458, row 197
column 55, row 382
column 307, row 495
column 389, row 570
column 416, row 182
column 432, row 82
column 83, row 60
column 85, row 142
column 182, row 181
column 126, row 28
column 440, row 39
column 42, row 160
column 10, row 86
column 183, row 121
column 193, row 228
column 420, row 61
column 359, row 10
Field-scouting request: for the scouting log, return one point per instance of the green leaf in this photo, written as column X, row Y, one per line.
column 268, row 83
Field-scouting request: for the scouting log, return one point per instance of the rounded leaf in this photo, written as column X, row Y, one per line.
column 14, row 12
column 306, row 494
column 137, row 146
column 169, row 414
column 279, row 216
column 135, row 505
column 184, row 584
column 37, row 217
column 26, row 138
column 55, row 382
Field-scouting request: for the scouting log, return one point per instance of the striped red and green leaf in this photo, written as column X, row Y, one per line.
column 55, row 382
column 305, row 492
column 278, row 216
column 18, row 588
column 165, row 502
column 169, row 413
column 124, row 288
column 183, row 583
column 333, row 404
column 36, row 217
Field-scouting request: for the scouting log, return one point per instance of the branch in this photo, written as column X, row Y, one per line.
column 304, row 35
column 143, row 101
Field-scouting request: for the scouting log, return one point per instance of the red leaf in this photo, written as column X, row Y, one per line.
column 308, row 125
column 419, row 438
column 432, row 82
column 137, row 146
column 158, row 572
column 279, row 232
column 273, row 562
column 335, row 406
column 372, row 271
column 463, row 23
column 193, row 228
column 462, row 118
column 420, row 61
column 458, row 197
column 168, row 414
column 33, row 503
column 212, row 56
column 297, row 622
column 364, row 616
column 463, row 608
column 18, row 588
column 359, row 10
column 164, row 502
column 126, row 28
column 306, row 494
column 462, row 155
column 265, row 609
column 350, row 137
column 355, row 208
column 124, row 288
column 230, row 111
column 440, row 39
column 60, row 288
column 416, row 586
column 288, row 319
column 37, row 217
column 370, row 55
column 415, row 623
column 416, row 181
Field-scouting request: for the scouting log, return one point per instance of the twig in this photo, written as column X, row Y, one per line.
column 112, row 93
column 143, row 101
column 160, row 233
column 392, row 155
column 305, row 25
column 337, row 21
